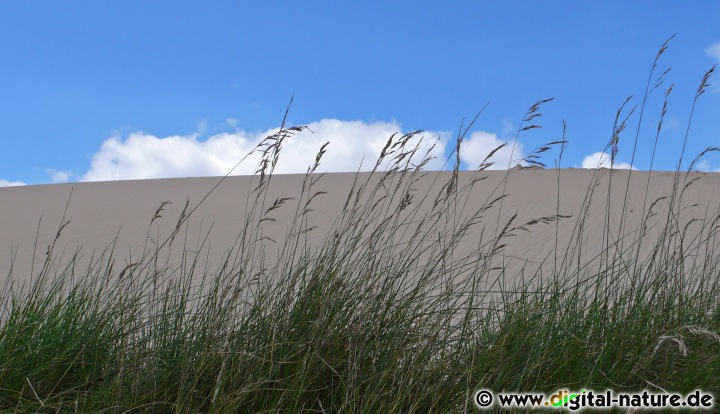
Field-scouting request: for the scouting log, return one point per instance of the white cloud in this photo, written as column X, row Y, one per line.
column 201, row 127
column 672, row 123
column 141, row 155
column 474, row 150
column 57, row 176
column 5, row 183
column 713, row 51
column 705, row 166
column 602, row 160
column 509, row 129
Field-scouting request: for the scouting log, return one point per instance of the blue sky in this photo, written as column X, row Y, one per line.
column 99, row 90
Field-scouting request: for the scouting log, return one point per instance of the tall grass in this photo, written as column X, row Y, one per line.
column 384, row 315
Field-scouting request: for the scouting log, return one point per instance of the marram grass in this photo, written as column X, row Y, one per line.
column 380, row 317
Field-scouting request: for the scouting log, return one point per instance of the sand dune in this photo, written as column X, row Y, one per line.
column 100, row 213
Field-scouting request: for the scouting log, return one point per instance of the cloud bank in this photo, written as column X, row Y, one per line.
column 140, row 155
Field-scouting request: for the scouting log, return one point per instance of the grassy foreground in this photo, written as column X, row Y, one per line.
column 381, row 317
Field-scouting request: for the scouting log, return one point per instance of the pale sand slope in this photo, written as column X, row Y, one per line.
column 98, row 212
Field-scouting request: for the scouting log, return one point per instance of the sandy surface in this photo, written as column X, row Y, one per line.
column 119, row 214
